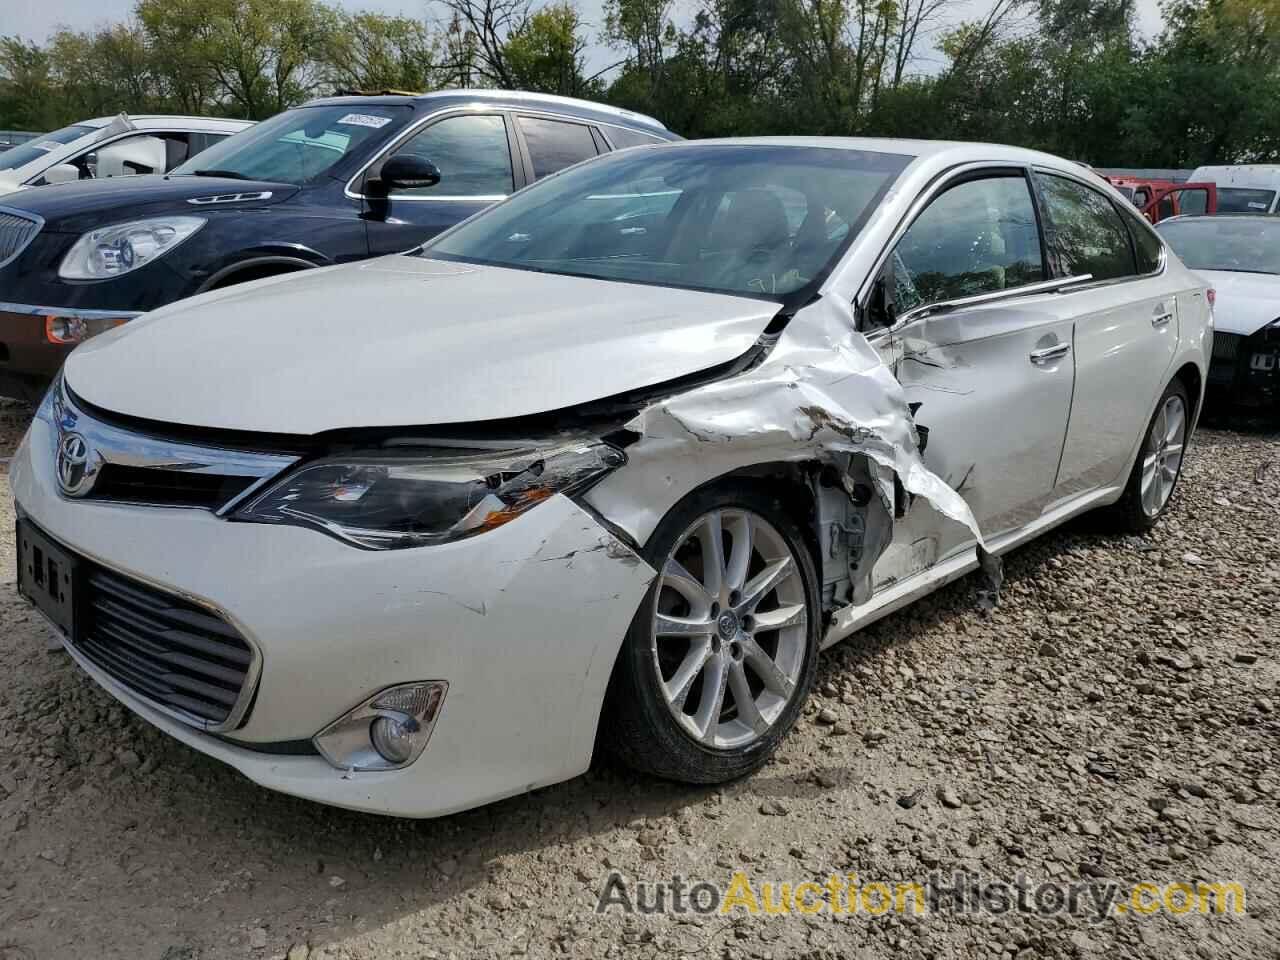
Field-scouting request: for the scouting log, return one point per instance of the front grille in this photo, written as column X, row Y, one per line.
column 15, row 233
column 164, row 648
column 1226, row 345
column 169, row 488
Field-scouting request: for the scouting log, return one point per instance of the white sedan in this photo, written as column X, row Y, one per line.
column 111, row 147
column 1239, row 255
column 608, row 463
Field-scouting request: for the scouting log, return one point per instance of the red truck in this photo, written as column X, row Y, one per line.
column 1160, row 199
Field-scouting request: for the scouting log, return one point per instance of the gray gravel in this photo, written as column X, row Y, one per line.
column 1115, row 715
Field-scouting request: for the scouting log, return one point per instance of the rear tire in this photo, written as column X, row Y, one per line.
column 719, row 658
column 1158, row 466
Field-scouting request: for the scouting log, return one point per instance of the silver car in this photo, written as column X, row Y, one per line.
column 607, row 463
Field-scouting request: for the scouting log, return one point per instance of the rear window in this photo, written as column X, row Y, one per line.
column 1241, row 244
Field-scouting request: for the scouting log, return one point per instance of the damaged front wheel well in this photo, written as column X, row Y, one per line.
column 792, row 485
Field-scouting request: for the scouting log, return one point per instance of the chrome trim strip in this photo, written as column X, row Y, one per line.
column 108, row 444
column 32, row 218
column 230, row 198
column 994, row 296
column 74, row 312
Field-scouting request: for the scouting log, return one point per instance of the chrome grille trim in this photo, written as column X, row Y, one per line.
column 110, row 445
column 17, row 230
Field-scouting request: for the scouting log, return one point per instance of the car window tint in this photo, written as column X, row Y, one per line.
column 621, row 138
column 471, row 153
column 554, row 145
column 1241, row 200
column 1146, row 244
column 1086, row 235
column 977, row 237
column 1193, row 201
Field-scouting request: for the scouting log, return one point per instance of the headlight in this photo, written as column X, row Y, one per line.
column 385, row 501
column 116, row 250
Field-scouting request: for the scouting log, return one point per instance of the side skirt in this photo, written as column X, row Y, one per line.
column 853, row 618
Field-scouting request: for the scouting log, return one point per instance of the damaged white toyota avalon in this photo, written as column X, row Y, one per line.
column 607, row 464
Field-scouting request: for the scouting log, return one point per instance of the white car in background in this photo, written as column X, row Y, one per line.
column 1239, row 255
column 1242, row 188
column 111, row 147
column 618, row 455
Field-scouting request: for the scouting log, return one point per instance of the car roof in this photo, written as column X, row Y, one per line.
column 1263, row 176
column 571, row 106
column 159, row 121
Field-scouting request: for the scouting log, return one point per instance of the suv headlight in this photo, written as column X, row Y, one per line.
column 118, row 249
column 388, row 501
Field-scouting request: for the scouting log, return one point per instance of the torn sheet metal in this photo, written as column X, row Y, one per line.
column 822, row 394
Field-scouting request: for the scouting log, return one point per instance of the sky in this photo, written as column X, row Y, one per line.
column 37, row 19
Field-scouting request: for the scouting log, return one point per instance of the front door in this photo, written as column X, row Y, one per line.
column 987, row 358
column 473, row 152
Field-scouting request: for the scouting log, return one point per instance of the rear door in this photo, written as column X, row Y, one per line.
column 478, row 162
column 984, row 349
column 1126, row 326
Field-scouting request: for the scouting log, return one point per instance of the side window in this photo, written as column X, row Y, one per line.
column 1146, row 244
column 471, row 153
column 554, row 144
column 1085, row 232
column 622, row 138
column 977, row 237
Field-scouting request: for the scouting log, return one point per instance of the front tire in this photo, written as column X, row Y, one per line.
column 1158, row 467
column 722, row 653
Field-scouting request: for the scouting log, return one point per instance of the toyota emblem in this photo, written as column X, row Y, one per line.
column 74, row 475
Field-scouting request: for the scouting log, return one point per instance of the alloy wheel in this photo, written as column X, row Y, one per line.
column 730, row 628
column 1163, row 455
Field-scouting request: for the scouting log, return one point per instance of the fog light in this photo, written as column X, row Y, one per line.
column 68, row 330
column 387, row 731
column 393, row 738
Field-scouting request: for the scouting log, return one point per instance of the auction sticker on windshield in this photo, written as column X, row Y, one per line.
column 364, row 120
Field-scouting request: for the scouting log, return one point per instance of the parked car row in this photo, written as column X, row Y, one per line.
column 333, row 181
column 606, row 460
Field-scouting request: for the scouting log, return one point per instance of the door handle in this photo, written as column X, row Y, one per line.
column 1161, row 316
column 1049, row 354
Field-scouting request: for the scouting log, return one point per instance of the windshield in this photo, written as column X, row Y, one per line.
column 766, row 221
column 298, row 145
column 1240, row 200
column 20, row 156
column 1247, row 244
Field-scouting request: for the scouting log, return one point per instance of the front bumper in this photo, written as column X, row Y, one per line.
column 28, row 360
column 524, row 622
column 1246, row 370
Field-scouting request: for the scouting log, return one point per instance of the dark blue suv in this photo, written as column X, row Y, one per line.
column 334, row 180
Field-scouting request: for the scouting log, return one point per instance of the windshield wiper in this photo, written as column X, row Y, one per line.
column 229, row 174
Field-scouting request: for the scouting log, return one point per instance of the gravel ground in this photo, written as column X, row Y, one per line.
column 1113, row 717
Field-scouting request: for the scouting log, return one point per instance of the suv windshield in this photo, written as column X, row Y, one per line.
column 297, row 145
column 1242, row 244
column 755, row 220
column 22, row 155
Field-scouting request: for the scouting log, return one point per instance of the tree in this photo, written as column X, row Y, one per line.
column 370, row 51
column 548, row 53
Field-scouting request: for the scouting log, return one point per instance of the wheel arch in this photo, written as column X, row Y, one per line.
column 1193, row 380
column 254, row 268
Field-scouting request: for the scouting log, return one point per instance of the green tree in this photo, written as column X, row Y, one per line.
column 548, row 53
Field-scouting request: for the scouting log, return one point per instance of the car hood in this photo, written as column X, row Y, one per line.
column 85, row 204
column 404, row 341
column 1246, row 302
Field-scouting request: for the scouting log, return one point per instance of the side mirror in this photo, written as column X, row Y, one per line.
column 407, row 171
column 62, row 173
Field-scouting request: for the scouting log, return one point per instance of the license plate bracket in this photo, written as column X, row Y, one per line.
column 47, row 577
